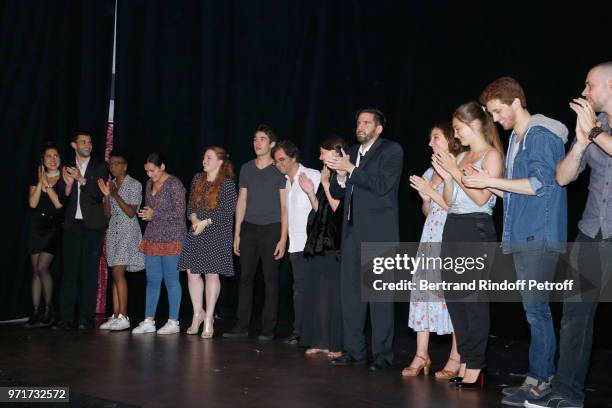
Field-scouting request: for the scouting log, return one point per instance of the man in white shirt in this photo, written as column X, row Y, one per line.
column 84, row 225
column 286, row 155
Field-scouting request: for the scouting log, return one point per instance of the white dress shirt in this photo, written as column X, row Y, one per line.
column 362, row 152
column 298, row 207
column 82, row 169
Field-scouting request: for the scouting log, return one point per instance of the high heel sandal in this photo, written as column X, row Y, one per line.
column 478, row 384
column 197, row 320
column 209, row 328
column 445, row 374
column 415, row 371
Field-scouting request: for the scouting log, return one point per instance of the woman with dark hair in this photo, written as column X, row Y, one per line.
column 322, row 327
column 428, row 312
column 122, row 198
column 45, row 198
column 469, row 232
column 208, row 246
column 162, row 242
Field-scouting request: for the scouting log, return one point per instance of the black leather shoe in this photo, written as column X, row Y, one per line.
column 292, row 340
column 235, row 333
column 62, row 325
column 85, row 326
column 455, row 380
column 379, row 365
column 346, row 360
column 264, row 336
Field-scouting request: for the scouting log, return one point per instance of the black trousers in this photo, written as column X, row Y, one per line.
column 82, row 248
column 470, row 318
column 258, row 242
column 354, row 308
column 299, row 268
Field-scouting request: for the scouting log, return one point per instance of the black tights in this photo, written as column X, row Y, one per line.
column 41, row 278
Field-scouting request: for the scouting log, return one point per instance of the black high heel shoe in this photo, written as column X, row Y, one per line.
column 455, row 380
column 478, row 384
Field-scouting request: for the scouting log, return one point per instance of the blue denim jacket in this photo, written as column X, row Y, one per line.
column 537, row 222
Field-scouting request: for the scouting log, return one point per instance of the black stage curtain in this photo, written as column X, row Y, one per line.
column 196, row 73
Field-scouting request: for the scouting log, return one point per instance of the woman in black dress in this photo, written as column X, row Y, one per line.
column 208, row 244
column 45, row 199
column 322, row 328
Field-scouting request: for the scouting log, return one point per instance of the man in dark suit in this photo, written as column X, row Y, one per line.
column 84, row 225
column 368, row 181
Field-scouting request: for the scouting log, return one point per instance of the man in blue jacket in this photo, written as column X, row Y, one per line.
column 535, row 219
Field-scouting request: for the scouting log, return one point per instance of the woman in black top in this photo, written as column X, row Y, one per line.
column 45, row 200
column 322, row 328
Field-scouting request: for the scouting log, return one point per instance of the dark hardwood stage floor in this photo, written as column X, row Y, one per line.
column 184, row 371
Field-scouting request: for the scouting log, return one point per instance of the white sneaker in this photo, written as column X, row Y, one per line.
column 171, row 327
column 121, row 323
column 108, row 323
column 146, row 326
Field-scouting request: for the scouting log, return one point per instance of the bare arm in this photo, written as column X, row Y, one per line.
column 569, row 168
column 240, row 212
column 604, row 140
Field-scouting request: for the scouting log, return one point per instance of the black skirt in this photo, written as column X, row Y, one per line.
column 45, row 233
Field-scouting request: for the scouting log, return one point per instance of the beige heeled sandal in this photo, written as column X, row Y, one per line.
column 415, row 371
column 209, row 328
column 445, row 374
column 197, row 320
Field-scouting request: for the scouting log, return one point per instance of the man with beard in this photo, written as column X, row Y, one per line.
column 591, row 147
column 368, row 182
column 84, row 225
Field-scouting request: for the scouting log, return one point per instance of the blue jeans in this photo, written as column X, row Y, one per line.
column 540, row 266
column 166, row 268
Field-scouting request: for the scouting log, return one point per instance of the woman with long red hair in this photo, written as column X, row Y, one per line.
column 208, row 246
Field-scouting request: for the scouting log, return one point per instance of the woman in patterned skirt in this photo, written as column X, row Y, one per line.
column 428, row 312
column 208, row 247
column 122, row 198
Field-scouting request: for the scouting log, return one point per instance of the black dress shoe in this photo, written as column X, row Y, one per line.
column 292, row 340
column 85, row 326
column 265, row 336
column 346, row 360
column 235, row 333
column 379, row 365
column 62, row 325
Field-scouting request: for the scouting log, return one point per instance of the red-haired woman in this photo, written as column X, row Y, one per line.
column 208, row 246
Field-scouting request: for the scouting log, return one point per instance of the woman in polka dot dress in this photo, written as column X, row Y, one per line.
column 208, row 246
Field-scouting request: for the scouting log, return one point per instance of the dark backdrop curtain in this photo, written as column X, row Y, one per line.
column 54, row 79
column 195, row 73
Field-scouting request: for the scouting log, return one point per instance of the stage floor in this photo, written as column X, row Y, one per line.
column 184, row 371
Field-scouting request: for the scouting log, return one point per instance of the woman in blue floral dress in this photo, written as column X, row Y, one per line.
column 428, row 312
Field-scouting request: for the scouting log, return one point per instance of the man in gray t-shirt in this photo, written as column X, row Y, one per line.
column 261, row 233
column 593, row 245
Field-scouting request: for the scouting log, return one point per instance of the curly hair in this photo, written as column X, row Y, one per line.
column 209, row 197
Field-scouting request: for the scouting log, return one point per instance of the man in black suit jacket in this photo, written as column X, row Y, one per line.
column 368, row 181
column 84, row 225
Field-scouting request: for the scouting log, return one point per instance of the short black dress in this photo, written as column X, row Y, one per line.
column 46, row 222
